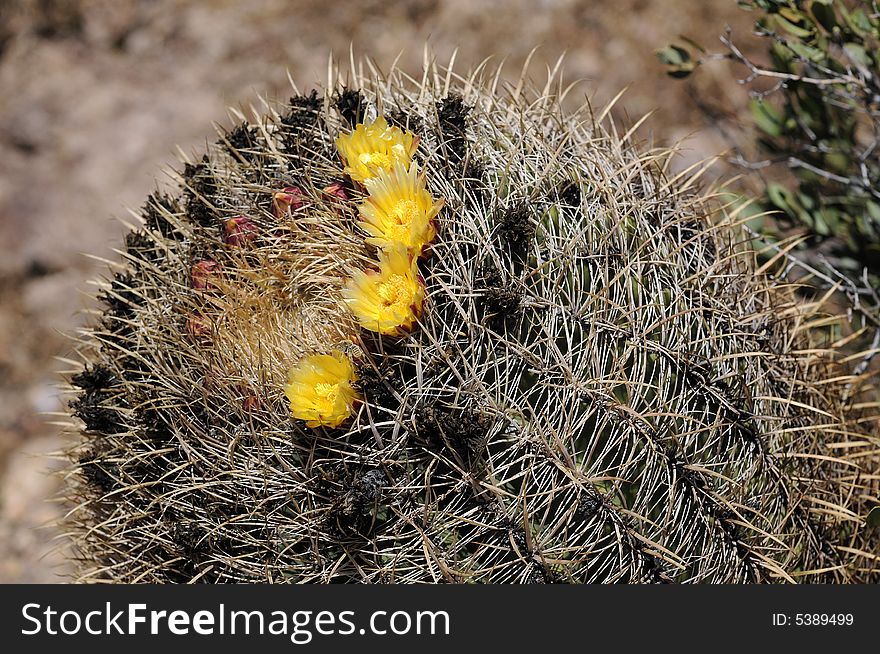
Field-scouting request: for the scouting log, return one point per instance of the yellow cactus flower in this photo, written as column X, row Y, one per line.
column 388, row 301
column 399, row 209
column 320, row 390
column 374, row 147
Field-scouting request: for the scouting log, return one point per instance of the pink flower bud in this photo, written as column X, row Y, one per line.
column 239, row 231
column 250, row 403
column 198, row 328
column 211, row 381
column 202, row 273
column 287, row 200
column 336, row 191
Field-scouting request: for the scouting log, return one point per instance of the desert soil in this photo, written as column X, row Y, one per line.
column 95, row 95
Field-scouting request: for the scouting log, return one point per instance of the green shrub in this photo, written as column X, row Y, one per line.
column 816, row 106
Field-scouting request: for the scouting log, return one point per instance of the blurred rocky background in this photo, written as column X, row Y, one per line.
column 95, row 95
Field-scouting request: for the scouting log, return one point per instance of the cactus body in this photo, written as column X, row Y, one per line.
column 602, row 386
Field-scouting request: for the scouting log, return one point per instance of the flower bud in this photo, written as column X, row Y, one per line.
column 210, row 382
column 202, row 273
column 336, row 191
column 250, row 403
column 198, row 328
column 287, row 200
column 239, row 231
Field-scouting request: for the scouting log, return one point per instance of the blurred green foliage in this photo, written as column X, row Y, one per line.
column 816, row 106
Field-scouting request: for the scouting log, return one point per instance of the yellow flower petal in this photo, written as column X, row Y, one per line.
column 319, row 388
column 388, row 301
column 375, row 147
column 399, row 209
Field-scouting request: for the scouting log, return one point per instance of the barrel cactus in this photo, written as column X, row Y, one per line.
column 596, row 383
